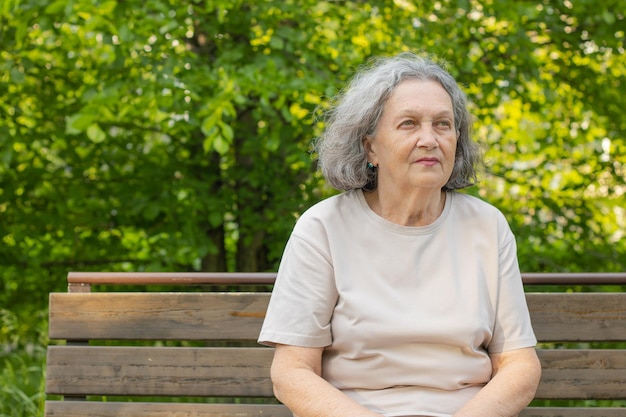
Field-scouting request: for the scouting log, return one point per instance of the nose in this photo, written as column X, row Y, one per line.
column 427, row 138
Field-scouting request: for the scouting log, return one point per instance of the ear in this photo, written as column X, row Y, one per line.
column 370, row 146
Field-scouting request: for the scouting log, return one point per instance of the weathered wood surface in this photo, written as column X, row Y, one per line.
column 159, row 371
column 582, row 374
column 254, row 278
column 572, row 412
column 112, row 409
column 171, row 278
column 157, row 316
column 144, row 409
column 238, row 316
column 560, row 317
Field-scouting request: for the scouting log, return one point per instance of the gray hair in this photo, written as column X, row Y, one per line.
column 357, row 110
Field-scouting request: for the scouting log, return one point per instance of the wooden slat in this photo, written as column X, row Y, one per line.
column 238, row 316
column 113, row 409
column 118, row 409
column 204, row 278
column 574, row 278
column 73, row 370
column 171, row 278
column 582, row 374
column 572, row 412
column 156, row 371
column 157, row 316
column 562, row 317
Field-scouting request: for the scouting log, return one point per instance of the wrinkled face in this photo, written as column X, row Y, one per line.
column 414, row 144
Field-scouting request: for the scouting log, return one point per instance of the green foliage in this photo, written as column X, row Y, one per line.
column 175, row 135
column 21, row 385
column 22, row 359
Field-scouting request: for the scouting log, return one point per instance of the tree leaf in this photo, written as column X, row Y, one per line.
column 78, row 123
column 95, row 133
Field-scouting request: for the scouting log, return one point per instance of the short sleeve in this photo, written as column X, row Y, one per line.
column 513, row 328
column 304, row 295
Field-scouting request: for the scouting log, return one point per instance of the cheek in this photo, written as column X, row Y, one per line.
column 451, row 154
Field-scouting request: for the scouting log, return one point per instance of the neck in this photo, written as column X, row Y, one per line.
column 418, row 209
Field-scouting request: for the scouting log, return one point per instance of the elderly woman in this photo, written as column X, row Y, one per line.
column 401, row 296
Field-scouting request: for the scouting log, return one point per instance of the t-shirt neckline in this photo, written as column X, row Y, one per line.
column 379, row 221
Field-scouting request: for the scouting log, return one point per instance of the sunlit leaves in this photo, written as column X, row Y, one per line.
column 177, row 135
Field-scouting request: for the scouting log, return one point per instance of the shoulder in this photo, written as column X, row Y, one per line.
column 327, row 215
column 331, row 207
column 470, row 210
column 470, row 205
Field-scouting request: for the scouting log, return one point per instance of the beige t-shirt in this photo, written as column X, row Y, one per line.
column 407, row 315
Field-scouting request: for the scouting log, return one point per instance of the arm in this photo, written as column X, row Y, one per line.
column 296, row 376
column 512, row 386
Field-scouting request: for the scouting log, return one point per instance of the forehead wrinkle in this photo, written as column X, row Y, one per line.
column 419, row 113
column 404, row 106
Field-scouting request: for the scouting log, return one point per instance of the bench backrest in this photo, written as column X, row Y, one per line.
column 201, row 345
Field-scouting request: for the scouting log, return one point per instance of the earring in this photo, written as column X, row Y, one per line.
column 370, row 165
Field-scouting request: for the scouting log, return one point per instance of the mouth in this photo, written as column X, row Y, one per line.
column 428, row 161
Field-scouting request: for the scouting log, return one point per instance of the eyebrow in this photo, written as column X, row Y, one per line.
column 411, row 112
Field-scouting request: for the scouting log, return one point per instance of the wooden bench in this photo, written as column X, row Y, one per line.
column 105, row 361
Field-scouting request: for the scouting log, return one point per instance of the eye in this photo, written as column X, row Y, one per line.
column 446, row 124
column 407, row 122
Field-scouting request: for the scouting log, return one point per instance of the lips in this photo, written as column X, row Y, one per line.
column 428, row 161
